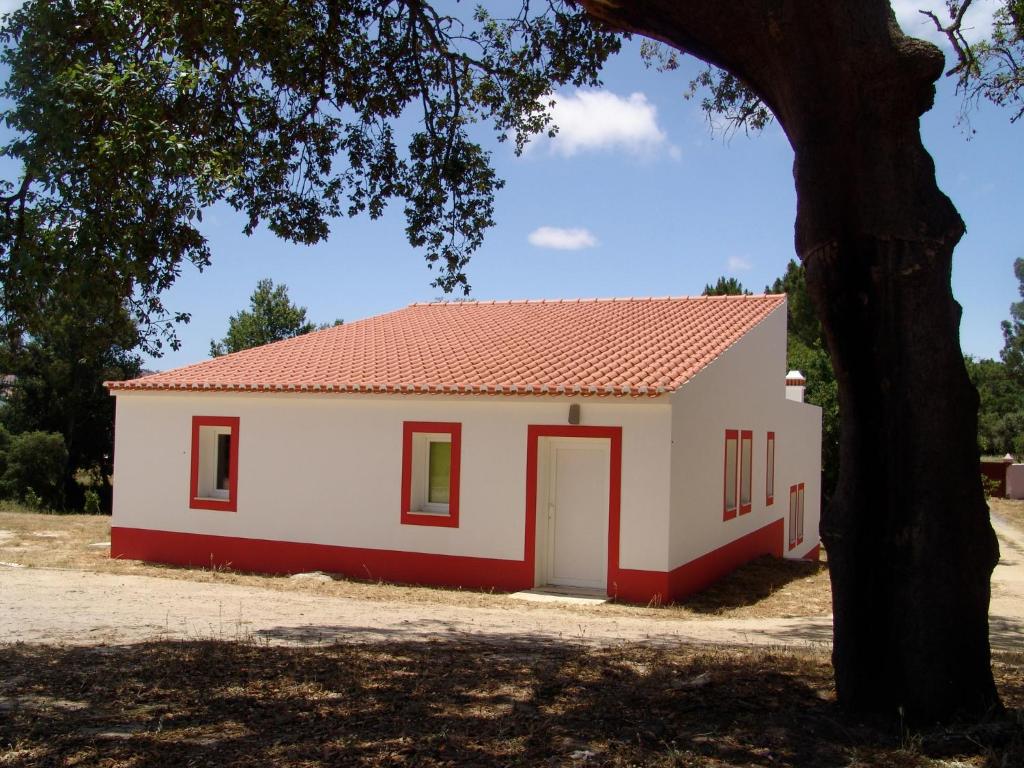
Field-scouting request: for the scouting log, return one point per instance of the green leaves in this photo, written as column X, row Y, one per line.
column 131, row 116
column 1013, row 331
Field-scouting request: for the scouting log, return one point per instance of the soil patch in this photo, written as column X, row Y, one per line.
column 767, row 588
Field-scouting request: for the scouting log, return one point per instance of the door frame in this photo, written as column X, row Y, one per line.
column 614, row 436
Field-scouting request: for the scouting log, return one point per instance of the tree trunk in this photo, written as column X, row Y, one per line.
column 910, row 546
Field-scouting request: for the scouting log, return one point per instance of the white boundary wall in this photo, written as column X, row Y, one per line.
column 326, row 469
column 743, row 389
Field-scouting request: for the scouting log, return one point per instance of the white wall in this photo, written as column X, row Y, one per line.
column 744, row 389
column 327, row 469
column 1015, row 481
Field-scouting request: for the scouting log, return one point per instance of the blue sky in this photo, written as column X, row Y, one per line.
column 636, row 197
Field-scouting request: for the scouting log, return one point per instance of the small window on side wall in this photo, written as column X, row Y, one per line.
column 431, row 454
column 746, row 470
column 214, row 468
column 732, row 437
column 796, row 515
column 770, row 472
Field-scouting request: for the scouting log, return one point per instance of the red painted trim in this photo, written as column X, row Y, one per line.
column 230, row 504
column 814, row 553
column 728, row 513
column 614, row 434
column 746, row 478
column 656, row 586
column 263, row 556
column 769, row 463
column 409, row 517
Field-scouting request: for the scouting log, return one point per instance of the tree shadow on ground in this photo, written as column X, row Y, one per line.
column 752, row 583
column 432, row 704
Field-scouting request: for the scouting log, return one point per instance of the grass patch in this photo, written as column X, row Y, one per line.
column 465, row 704
column 768, row 587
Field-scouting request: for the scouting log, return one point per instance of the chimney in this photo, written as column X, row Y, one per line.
column 795, row 385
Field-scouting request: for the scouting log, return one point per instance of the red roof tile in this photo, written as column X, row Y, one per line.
column 633, row 347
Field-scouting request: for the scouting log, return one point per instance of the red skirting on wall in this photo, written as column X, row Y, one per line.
column 264, row 556
column 647, row 586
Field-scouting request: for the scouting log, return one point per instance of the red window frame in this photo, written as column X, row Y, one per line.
column 746, row 480
column 796, row 515
column 729, row 512
column 769, row 475
column 195, row 501
column 409, row 431
column 800, row 513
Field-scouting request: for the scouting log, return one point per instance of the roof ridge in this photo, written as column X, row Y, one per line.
column 590, row 300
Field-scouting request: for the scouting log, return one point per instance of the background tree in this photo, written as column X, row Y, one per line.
column 1012, row 353
column 60, row 371
column 132, row 115
column 1000, row 409
column 726, row 286
column 271, row 317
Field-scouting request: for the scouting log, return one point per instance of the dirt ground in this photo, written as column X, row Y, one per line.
column 118, row 664
column 107, row 601
column 459, row 703
column 765, row 588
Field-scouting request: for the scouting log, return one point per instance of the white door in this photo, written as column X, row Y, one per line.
column 578, row 513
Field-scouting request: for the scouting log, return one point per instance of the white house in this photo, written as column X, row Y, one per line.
column 638, row 447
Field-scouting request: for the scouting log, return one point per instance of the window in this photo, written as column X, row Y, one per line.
column 746, row 459
column 214, row 472
column 731, row 462
column 431, row 452
column 796, row 515
column 739, row 449
column 769, row 474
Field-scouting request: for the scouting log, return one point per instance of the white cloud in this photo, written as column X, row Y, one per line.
column 601, row 120
column 562, row 239
column 739, row 264
column 977, row 22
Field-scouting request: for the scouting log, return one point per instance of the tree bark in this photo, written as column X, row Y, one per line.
column 911, row 549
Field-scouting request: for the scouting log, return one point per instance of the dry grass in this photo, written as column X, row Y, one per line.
column 456, row 704
column 1010, row 510
column 765, row 588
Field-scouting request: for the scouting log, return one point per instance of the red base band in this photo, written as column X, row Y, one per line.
column 264, row 556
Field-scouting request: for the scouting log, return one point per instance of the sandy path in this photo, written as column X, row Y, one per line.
column 73, row 607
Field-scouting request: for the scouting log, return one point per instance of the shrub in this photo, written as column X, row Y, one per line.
column 92, row 503
column 35, row 462
column 5, row 446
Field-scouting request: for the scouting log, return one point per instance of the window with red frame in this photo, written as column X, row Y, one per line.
column 769, row 481
column 746, row 468
column 796, row 515
column 731, row 472
column 431, row 459
column 213, row 482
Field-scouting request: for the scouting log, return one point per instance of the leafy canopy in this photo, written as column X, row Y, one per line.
column 1013, row 330
column 132, row 116
column 271, row 317
column 991, row 69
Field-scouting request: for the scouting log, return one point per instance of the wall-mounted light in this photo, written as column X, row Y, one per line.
column 574, row 413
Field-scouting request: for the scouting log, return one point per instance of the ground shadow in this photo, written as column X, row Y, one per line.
column 431, row 704
column 751, row 583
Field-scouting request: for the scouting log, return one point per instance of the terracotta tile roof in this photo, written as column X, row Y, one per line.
column 631, row 347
